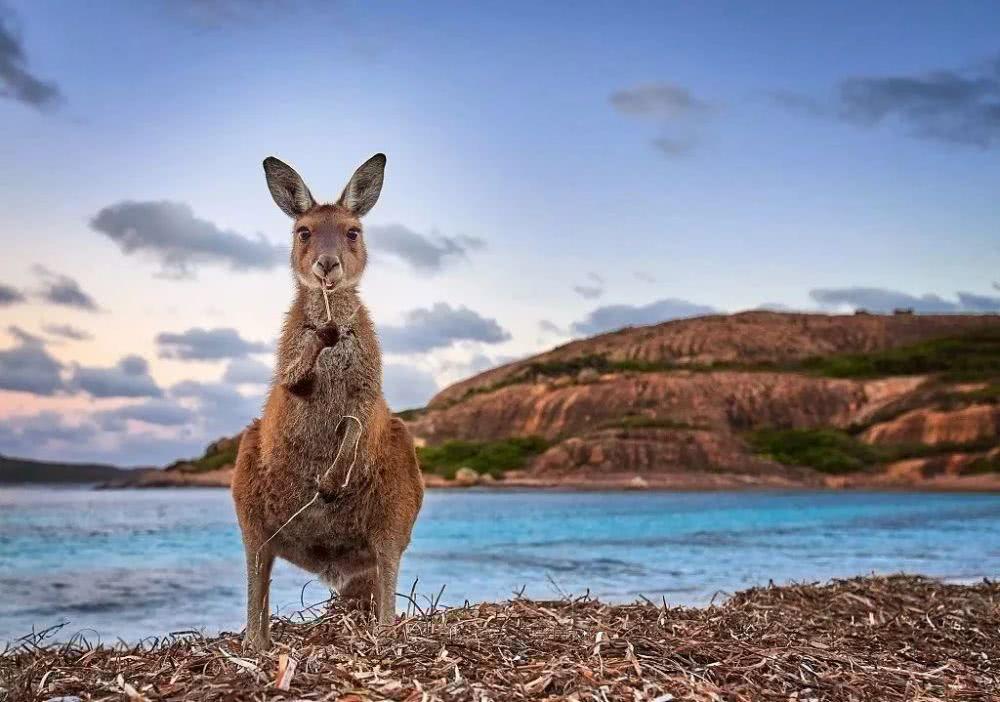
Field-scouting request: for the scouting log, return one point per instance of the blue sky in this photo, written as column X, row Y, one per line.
column 555, row 170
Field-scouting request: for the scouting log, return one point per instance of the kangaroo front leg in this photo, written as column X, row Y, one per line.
column 259, row 563
column 388, row 574
column 299, row 375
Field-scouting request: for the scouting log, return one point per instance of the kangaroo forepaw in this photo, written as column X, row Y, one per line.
column 329, row 334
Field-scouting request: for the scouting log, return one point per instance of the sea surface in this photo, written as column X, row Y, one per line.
column 137, row 563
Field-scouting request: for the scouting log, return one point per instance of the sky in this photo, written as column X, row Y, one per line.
column 555, row 170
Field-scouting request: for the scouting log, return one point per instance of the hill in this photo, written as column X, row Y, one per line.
column 24, row 470
column 752, row 399
column 757, row 399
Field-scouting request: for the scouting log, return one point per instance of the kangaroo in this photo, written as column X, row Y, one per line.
column 327, row 478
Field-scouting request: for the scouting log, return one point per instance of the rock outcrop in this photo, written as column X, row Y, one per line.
column 967, row 425
column 680, row 418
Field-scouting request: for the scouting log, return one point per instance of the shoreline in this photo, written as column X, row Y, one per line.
column 992, row 487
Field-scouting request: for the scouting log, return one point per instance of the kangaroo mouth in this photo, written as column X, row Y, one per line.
column 328, row 283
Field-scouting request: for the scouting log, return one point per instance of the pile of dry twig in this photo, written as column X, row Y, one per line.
column 896, row 638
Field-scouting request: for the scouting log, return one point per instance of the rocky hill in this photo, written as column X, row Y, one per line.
column 752, row 399
column 757, row 399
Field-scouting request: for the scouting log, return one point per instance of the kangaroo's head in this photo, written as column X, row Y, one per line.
column 328, row 246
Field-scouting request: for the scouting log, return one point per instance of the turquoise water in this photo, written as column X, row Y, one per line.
column 135, row 563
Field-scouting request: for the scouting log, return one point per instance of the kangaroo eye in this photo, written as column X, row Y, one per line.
column 352, row 234
column 303, row 233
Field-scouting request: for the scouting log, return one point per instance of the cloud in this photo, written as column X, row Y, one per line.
column 658, row 100
column 884, row 300
column 28, row 367
column 128, row 378
column 971, row 302
column 480, row 362
column 23, row 336
column 438, row 327
column 474, row 363
column 957, row 106
column 170, row 234
column 775, row 307
column 406, row 387
column 588, row 292
column 10, row 296
column 795, row 102
column 16, row 81
column 247, row 371
column 645, row 276
column 31, row 435
column 154, row 431
column 198, row 344
column 423, row 254
column 59, row 289
column 50, row 435
column 67, row 331
column 674, row 147
column 221, row 408
column 224, row 14
column 550, row 327
column 593, row 290
column 614, row 317
column 674, row 108
column 159, row 412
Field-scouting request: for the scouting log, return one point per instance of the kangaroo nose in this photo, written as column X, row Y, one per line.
column 327, row 263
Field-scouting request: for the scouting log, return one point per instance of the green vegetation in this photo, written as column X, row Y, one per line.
column 972, row 356
column 217, row 460
column 969, row 357
column 408, row 415
column 835, row 451
column 984, row 465
column 826, row 450
column 208, row 462
column 987, row 395
column 492, row 457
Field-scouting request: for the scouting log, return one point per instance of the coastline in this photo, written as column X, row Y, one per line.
column 669, row 482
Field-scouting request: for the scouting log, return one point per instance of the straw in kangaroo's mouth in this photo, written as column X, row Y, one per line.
column 326, row 284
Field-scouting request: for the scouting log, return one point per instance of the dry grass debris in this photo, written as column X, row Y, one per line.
column 877, row 638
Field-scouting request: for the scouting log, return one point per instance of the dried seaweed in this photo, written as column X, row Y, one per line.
column 877, row 638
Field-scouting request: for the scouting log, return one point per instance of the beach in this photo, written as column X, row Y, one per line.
column 898, row 638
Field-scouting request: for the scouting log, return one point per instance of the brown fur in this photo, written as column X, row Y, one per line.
column 354, row 534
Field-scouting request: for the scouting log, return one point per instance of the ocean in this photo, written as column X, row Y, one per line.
column 110, row 564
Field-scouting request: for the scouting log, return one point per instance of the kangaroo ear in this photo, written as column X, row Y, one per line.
column 363, row 190
column 287, row 188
